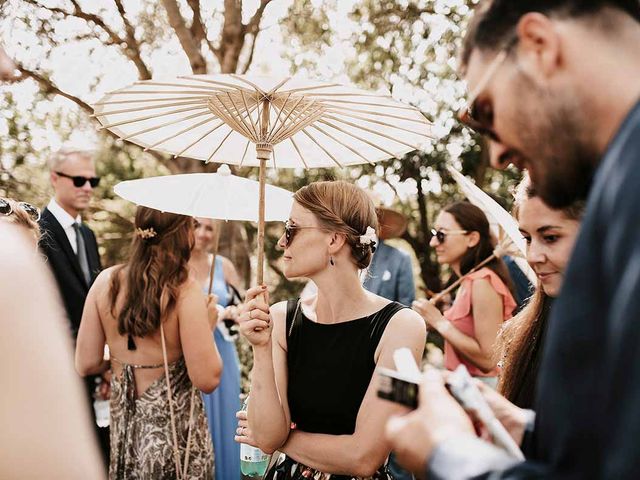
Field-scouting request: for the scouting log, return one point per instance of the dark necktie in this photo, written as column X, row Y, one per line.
column 82, row 253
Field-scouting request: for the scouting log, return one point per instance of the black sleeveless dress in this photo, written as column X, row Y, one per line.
column 330, row 367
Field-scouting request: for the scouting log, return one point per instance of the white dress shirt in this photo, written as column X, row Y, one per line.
column 67, row 221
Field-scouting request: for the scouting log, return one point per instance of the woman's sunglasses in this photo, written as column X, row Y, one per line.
column 33, row 212
column 290, row 231
column 80, row 181
column 441, row 235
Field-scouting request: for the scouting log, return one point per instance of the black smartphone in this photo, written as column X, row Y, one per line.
column 396, row 388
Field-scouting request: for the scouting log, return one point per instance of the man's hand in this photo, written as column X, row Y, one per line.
column 513, row 418
column 414, row 436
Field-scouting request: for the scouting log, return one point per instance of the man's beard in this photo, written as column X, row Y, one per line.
column 556, row 141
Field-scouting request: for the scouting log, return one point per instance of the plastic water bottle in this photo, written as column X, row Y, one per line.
column 253, row 461
column 100, row 406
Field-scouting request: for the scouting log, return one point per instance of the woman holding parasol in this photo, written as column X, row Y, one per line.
column 314, row 359
column 463, row 241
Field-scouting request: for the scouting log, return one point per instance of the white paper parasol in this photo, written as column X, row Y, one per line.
column 263, row 121
column 219, row 196
column 497, row 216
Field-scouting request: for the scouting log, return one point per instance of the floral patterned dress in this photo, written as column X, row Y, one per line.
column 141, row 432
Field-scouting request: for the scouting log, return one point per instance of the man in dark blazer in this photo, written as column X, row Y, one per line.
column 556, row 88
column 69, row 245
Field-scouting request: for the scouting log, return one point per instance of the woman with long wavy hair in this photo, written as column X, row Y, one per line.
column 157, row 325
column 550, row 235
column 462, row 240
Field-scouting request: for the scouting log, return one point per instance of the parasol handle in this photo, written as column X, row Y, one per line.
column 454, row 285
column 214, row 252
column 500, row 250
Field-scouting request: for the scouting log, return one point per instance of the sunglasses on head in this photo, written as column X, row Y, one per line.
column 441, row 235
column 33, row 212
column 80, row 181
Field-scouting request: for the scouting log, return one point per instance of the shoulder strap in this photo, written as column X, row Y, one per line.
column 176, row 450
column 380, row 320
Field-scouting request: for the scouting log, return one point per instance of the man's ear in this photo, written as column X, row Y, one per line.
column 53, row 178
column 539, row 45
column 473, row 238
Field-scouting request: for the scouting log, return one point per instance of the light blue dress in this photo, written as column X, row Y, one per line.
column 222, row 404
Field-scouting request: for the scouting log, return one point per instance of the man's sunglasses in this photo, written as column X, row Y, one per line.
column 33, row 212
column 290, row 231
column 441, row 235
column 470, row 115
column 80, row 181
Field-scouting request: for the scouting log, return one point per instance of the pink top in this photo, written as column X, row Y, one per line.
column 461, row 316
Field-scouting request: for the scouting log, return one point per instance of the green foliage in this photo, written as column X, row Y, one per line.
column 409, row 48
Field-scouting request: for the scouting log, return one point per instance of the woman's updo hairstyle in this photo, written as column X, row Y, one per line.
column 344, row 208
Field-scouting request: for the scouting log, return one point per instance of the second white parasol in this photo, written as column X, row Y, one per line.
column 219, row 196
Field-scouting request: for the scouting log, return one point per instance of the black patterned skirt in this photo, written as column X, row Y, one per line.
column 286, row 468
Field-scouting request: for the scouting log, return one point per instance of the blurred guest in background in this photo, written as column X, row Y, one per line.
column 71, row 248
column 46, row 427
column 222, row 404
column 390, row 274
column 462, row 240
column 21, row 213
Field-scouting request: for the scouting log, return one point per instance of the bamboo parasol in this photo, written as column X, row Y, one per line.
column 263, row 121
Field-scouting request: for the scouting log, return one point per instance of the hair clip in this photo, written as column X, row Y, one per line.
column 145, row 233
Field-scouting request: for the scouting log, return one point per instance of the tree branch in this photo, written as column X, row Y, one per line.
column 254, row 23
column 129, row 45
column 254, row 39
column 187, row 41
column 132, row 51
column 197, row 28
column 48, row 88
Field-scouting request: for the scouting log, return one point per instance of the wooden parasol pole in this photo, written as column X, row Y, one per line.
column 263, row 151
column 214, row 251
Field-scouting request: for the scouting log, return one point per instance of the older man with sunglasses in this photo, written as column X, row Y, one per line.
column 556, row 88
column 69, row 244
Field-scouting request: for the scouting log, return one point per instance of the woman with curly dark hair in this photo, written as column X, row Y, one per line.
column 157, row 325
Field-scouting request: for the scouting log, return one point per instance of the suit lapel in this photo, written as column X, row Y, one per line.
column 60, row 237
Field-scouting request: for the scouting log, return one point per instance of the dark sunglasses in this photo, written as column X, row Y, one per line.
column 478, row 119
column 290, row 231
column 441, row 235
column 33, row 212
column 80, row 181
